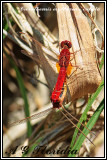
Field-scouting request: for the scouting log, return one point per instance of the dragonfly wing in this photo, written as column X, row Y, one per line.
column 35, row 116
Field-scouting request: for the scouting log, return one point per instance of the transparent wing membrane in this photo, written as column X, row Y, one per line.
column 35, row 116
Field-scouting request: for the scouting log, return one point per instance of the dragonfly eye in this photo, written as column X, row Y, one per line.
column 62, row 44
column 67, row 43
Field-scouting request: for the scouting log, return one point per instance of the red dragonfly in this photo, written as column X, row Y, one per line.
column 64, row 66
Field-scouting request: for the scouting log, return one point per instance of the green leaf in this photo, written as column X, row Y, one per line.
column 23, row 92
column 6, row 26
column 91, row 100
column 90, row 124
column 32, row 148
column 102, row 62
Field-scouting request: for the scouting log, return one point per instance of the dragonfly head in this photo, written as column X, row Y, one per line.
column 66, row 44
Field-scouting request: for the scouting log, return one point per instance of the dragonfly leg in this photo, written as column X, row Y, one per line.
column 73, row 56
column 71, row 74
column 74, row 71
column 71, row 59
column 76, row 66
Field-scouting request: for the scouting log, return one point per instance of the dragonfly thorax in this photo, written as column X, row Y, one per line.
column 64, row 58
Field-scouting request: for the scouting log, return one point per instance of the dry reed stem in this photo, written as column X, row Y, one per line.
column 73, row 26
column 36, row 23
